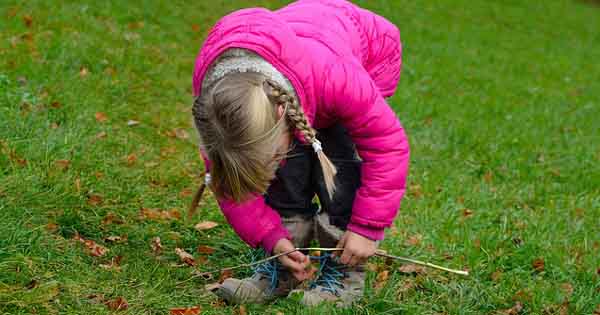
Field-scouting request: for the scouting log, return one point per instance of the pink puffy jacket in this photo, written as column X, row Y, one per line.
column 342, row 61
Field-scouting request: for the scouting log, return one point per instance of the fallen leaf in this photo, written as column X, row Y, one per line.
column 77, row 184
column 156, row 214
column 406, row 285
column 496, row 275
column 225, row 274
column 156, row 246
column 194, row 310
column 467, row 212
column 62, row 164
column 101, row 135
column 150, row 164
column 117, row 304
column 93, row 248
column 205, row 225
column 55, row 105
column 242, row 310
column 567, row 289
column 597, row 310
column 411, row 269
column 181, row 134
column 131, row 159
column 186, row 192
column 98, row 175
column 196, row 28
column 113, row 239
column 53, row 125
column 381, row 279
column 94, row 200
column 186, row 257
column 28, row 20
column 111, row 218
column 414, row 240
column 51, row 227
column 101, row 117
column 83, row 72
column 96, row 298
column 132, row 123
column 515, row 310
column 488, row 177
column 538, row 264
column 115, row 264
column 135, row 25
column 203, row 249
column 279, row 313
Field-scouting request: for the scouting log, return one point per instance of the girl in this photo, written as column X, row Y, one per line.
column 290, row 104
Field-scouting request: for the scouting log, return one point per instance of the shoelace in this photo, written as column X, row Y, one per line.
column 271, row 271
column 329, row 275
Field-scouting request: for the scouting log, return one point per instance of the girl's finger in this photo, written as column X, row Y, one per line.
column 292, row 265
column 346, row 257
column 340, row 244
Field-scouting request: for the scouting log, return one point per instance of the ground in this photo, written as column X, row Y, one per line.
column 500, row 100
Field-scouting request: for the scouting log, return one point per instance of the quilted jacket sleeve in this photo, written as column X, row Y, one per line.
column 253, row 220
column 352, row 96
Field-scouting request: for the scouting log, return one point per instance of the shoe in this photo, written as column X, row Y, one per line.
column 335, row 282
column 270, row 280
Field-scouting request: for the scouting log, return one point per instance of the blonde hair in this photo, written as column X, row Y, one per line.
column 240, row 131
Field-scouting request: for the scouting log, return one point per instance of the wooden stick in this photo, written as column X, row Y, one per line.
column 380, row 253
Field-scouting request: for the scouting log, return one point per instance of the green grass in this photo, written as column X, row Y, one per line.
column 500, row 100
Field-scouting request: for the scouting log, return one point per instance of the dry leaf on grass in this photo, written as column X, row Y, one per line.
column 203, row 249
column 62, row 164
column 242, row 310
column 467, row 212
column 94, row 200
column 225, row 274
column 381, row 279
column 205, row 225
column 414, row 240
column 156, row 246
column 117, row 304
column 51, row 227
column 28, row 20
column 132, row 122
column 93, row 248
column 567, row 289
column 186, row 257
column 101, row 117
column 538, row 264
column 515, row 310
column 186, row 192
column 156, row 214
column 115, row 239
column 114, row 264
column 131, row 159
column 83, row 72
column 194, row 310
column 411, row 269
column 101, row 135
column 111, row 218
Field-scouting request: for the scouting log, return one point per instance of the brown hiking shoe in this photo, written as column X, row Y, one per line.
column 269, row 281
column 335, row 282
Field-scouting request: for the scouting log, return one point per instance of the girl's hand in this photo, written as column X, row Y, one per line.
column 296, row 262
column 357, row 248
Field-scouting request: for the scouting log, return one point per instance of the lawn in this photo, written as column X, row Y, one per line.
column 500, row 100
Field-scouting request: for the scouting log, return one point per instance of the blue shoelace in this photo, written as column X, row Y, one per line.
column 329, row 274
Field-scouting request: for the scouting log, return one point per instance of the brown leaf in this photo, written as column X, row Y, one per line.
column 53, row 125
column 242, row 310
column 51, row 227
column 117, row 304
column 113, row 239
column 156, row 214
column 32, row 284
column 411, row 269
column 100, row 117
column 381, row 279
column 131, row 159
column 135, row 25
column 55, row 105
column 488, row 177
column 181, row 134
column 111, row 218
column 225, row 274
column 94, row 200
column 414, row 240
column 62, row 164
column 93, row 248
column 467, row 212
column 196, row 28
column 83, row 72
column 194, row 310
column 115, row 264
column 77, row 184
column 96, row 298
column 156, row 246
column 28, row 20
column 538, row 264
column 203, row 249
column 101, row 134
column 186, row 257
column 496, row 275
column 186, row 192
column 567, row 289
column 515, row 310
column 597, row 310
column 205, row 225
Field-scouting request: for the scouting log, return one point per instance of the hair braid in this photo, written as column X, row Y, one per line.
column 295, row 115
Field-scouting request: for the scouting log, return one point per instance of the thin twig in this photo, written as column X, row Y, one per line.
column 380, row 253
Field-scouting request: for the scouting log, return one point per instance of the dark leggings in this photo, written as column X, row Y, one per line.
column 300, row 178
